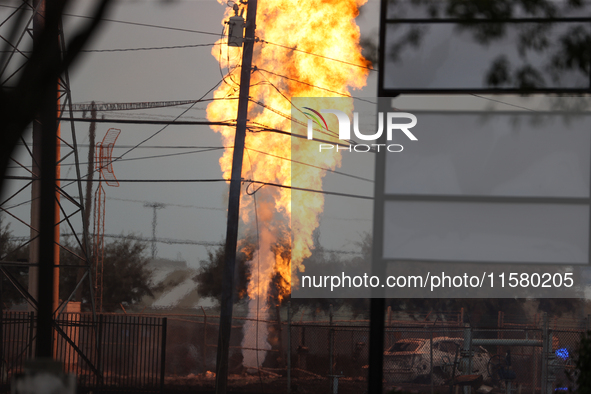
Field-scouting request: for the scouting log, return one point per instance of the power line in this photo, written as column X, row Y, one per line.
column 147, row 25
column 209, row 149
column 303, row 189
column 169, row 147
column 133, row 49
column 502, row 102
column 154, row 134
column 317, row 55
column 163, row 128
column 167, row 204
column 155, row 122
column 143, row 157
column 329, row 133
column 272, row 130
column 311, row 165
column 213, row 148
column 170, row 154
column 212, row 180
column 148, row 48
column 312, row 85
column 131, row 23
column 173, row 241
column 193, row 31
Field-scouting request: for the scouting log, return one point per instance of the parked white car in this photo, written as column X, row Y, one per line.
column 410, row 360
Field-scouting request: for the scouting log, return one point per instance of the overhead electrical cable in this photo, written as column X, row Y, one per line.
column 134, row 49
column 172, row 241
column 167, row 204
column 314, row 86
column 317, row 55
column 203, row 32
column 209, row 149
column 149, row 48
column 310, row 165
column 212, row 180
column 131, row 23
column 329, row 132
column 502, row 102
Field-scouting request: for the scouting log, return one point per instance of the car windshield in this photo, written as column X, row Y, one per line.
column 404, row 347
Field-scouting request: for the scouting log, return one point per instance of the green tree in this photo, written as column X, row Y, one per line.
column 126, row 277
column 581, row 377
column 557, row 48
column 210, row 273
column 9, row 251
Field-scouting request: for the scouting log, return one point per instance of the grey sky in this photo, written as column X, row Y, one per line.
column 162, row 75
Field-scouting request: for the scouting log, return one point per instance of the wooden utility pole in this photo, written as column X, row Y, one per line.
column 225, row 329
column 86, row 245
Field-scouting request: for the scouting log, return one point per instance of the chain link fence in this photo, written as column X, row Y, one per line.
column 312, row 352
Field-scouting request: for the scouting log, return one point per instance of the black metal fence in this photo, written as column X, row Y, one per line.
column 134, row 352
column 110, row 351
column 16, row 346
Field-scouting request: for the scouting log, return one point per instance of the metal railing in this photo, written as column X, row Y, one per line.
column 149, row 353
column 112, row 351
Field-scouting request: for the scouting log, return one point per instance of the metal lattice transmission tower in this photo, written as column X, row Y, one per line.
column 21, row 198
column 155, row 206
column 104, row 166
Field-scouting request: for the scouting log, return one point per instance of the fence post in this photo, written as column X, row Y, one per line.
column 431, row 358
column 279, row 333
column 289, row 347
column 499, row 326
column 99, row 348
column 389, row 341
column 330, row 347
column 204, row 351
column 466, row 353
column 3, row 366
column 551, row 373
column 163, row 355
column 31, row 330
column 544, row 360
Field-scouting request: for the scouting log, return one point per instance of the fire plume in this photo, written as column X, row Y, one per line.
column 320, row 30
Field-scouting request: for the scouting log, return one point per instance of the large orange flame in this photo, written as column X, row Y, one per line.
column 323, row 27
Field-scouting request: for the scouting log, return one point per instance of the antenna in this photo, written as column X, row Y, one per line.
column 104, row 152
